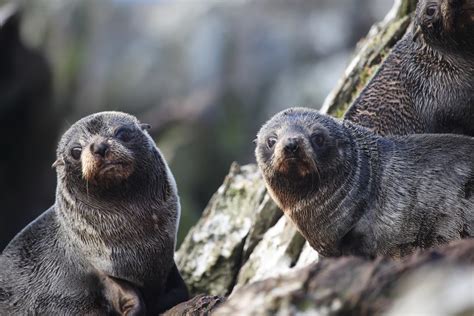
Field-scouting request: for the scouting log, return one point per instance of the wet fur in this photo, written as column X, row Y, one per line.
column 372, row 195
column 122, row 227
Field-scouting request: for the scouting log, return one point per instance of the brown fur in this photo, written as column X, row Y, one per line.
column 425, row 85
column 367, row 195
column 109, row 239
column 116, row 166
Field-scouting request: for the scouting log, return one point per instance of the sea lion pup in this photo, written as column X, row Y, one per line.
column 351, row 192
column 426, row 84
column 108, row 241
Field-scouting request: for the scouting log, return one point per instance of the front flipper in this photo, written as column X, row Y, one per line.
column 175, row 292
column 124, row 298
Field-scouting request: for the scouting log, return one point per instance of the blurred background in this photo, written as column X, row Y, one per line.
column 204, row 73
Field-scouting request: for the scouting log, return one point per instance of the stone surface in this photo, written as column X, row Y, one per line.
column 198, row 305
column 211, row 255
column 437, row 291
column 307, row 256
column 354, row 286
column 275, row 255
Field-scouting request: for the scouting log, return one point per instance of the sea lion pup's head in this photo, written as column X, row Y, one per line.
column 109, row 154
column 447, row 24
column 298, row 150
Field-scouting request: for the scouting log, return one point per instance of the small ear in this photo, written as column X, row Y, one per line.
column 255, row 141
column 58, row 162
column 145, row 126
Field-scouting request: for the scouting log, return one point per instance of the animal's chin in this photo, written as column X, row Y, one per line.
column 294, row 167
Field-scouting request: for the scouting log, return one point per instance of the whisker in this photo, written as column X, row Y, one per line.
column 87, row 188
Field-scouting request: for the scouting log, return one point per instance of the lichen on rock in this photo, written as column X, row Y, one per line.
column 276, row 254
column 232, row 224
column 356, row 286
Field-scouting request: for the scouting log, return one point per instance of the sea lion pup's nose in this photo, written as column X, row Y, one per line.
column 99, row 148
column 291, row 145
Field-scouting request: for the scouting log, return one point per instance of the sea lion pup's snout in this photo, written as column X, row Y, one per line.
column 292, row 155
column 106, row 160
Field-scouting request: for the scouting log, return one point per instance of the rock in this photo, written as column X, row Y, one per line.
column 198, row 305
column 275, row 255
column 239, row 213
column 268, row 214
column 354, row 286
column 308, row 255
column 436, row 292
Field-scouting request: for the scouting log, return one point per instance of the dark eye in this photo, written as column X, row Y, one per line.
column 124, row 134
column 76, row 152
column 271, row 141
column 318, row 139
column 431, row 11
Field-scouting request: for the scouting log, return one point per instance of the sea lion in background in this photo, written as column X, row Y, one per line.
column 352, row 192
column 108, row 241
column 426, row 84
column 29, row 114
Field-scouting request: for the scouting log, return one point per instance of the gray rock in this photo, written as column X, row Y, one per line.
column 211, row 254
column 436, row 292
column 275, row 255
column 354, row 286
column 198, row 305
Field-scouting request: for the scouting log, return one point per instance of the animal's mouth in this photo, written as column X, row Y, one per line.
column 106, row 171
column 112, row 166
column 298, row 165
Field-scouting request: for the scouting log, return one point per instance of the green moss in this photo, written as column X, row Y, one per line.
column 407, row 7
column 305, row 304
